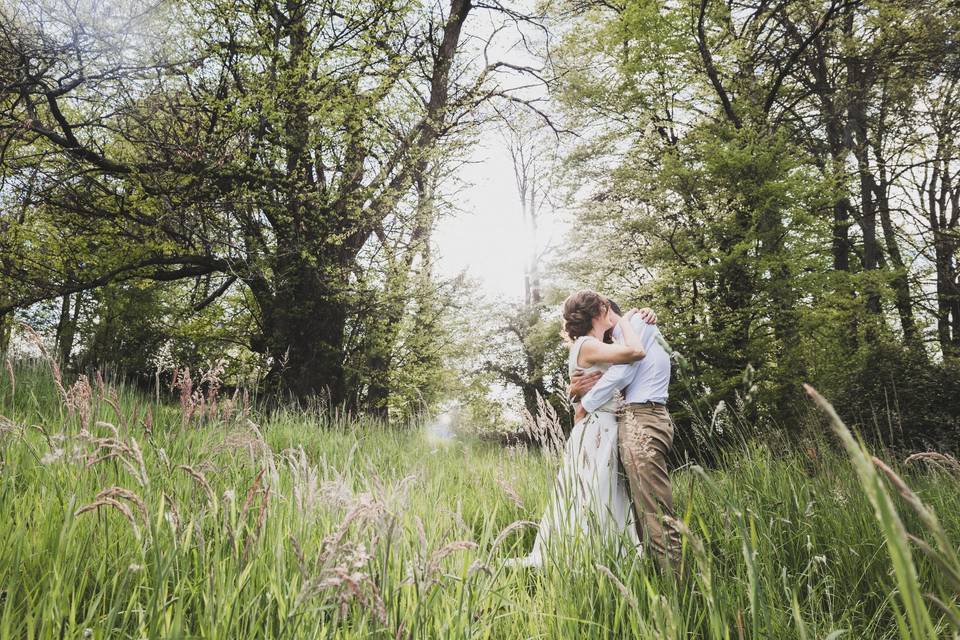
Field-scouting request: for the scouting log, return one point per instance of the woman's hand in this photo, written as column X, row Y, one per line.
column 580, row 414
column 646, row 314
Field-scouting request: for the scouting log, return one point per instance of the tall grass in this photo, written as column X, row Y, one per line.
column 228, row 525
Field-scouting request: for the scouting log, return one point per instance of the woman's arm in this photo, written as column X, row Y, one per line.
column 595, row 352
column 630, row 337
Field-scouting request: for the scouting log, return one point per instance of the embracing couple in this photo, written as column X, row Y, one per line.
column 617, row 452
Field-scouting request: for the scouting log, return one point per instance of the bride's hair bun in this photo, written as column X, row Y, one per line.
column 579, row 310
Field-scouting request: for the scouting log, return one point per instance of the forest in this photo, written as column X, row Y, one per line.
column 259, row 184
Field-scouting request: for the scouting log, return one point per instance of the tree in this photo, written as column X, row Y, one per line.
column 935, row 198
column 524, row 337
column 532, row 149
column 266, row 146
column 744, row 164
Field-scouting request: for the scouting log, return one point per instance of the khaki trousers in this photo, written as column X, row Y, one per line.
column 646, row 437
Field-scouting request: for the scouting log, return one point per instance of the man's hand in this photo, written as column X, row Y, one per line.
column 581, row 383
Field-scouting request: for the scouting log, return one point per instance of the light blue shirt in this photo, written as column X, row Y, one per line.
column 646, row 380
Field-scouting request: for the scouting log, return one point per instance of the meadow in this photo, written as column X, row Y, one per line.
column 125, row 517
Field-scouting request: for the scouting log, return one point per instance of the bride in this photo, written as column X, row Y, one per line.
column 590, row 497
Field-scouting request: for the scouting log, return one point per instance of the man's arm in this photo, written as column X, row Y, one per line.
column 615, row 378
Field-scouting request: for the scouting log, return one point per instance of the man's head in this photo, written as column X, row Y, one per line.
column 608, row 334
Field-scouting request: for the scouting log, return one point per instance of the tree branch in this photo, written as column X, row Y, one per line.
column 193, row 266
column 711, row 68
column 795, row 55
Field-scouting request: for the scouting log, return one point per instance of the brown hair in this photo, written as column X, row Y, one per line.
column 580, row 309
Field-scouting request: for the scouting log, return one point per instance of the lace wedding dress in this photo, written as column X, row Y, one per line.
column 590, row 501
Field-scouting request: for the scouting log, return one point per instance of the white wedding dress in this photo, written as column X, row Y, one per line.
column 591, row 500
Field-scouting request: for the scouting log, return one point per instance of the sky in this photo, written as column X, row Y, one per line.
column 488, row 238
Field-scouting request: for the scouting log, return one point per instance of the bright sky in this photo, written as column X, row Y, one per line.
column 488, row 238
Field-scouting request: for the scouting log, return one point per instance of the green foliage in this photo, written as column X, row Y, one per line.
column 429, row 343
column 900, row 399
column 277, row 155
column 710, row 182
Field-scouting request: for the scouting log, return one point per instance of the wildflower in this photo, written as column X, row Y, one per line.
column 51, row 456
column 839, row 495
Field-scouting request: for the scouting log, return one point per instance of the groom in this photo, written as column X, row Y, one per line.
column 645, row 433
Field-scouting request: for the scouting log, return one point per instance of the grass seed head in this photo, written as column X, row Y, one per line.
column 120, row 493
column 942, row 460
column 510, row 528
column 116, row 504
column 201, row 480
column 622, row 588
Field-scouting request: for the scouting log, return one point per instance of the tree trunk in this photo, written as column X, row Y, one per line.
column 6, row 330
column 66, row 330
column 954, row 302
column 900, row 281
column 530, row 400
column 303, row 331
column 303, row 315
column 951, row 278
column 942, row 204
column 841, row 234
column 868, row 220
column 948, row 298
column 858, row 84
column 838, row 142
column 535, row 296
